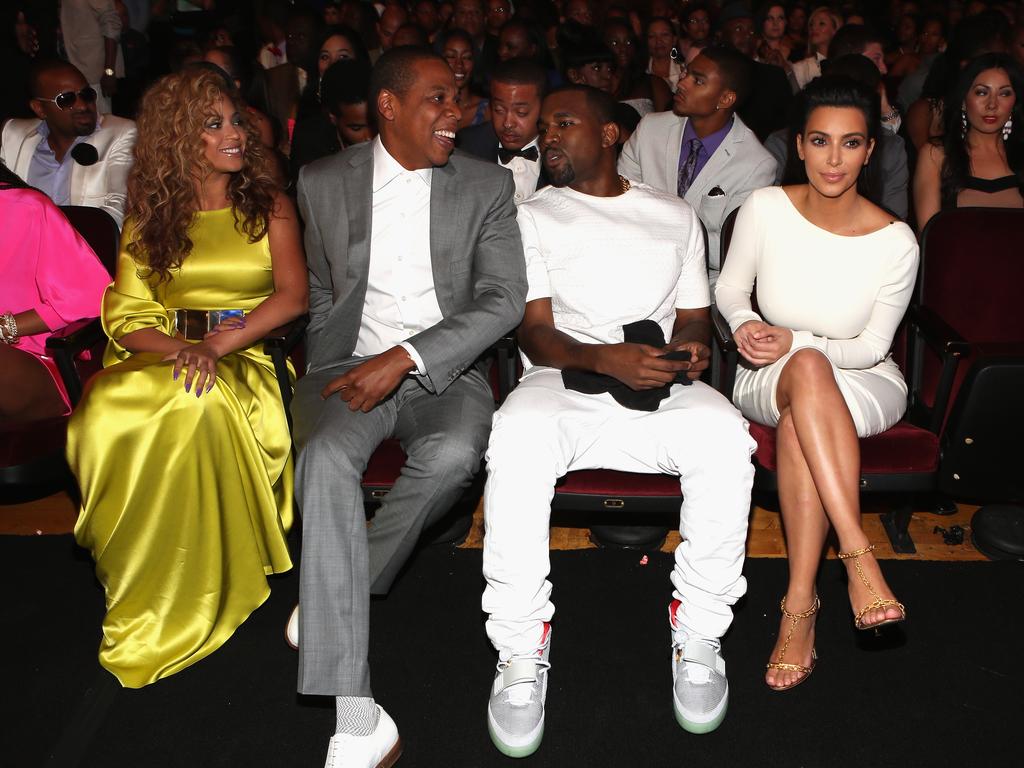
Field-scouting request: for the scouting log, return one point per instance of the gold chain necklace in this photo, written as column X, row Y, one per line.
column 624, row 183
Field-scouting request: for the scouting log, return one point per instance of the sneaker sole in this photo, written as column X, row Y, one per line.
column 514, row 751
column 697, row 726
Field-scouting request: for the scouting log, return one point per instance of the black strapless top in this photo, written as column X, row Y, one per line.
column 990, row 186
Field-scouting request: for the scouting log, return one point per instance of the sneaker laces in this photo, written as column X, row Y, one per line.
column 521, row 694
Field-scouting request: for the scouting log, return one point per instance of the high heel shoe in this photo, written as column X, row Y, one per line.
column 878, row 602
column 794, row 619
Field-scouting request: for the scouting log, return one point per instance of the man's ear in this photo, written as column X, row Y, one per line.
column 387, row 102
column 609, row 134
column 727, row 99
column 574, row 76
column 37, row 109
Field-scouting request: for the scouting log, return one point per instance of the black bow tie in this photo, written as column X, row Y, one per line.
column 506, row 155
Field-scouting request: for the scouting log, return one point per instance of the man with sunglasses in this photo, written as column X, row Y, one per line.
column 45, row 150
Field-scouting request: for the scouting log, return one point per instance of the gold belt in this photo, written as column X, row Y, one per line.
column 194, row 324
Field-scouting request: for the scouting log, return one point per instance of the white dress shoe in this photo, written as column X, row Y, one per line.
column 291, row 630
column 381, row 749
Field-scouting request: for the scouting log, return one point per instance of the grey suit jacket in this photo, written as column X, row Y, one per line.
column 739, row 166
column 475, row 249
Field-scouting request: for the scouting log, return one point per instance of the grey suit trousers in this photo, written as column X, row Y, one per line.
column 343, row 558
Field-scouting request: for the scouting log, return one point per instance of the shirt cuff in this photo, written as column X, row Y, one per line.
column 739, row 318
column 421, row 369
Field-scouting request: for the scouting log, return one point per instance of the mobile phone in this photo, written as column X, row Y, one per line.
column 682, row 355
column 218, row 316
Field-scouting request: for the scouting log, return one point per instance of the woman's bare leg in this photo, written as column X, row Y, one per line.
column 828, row 442
column 806, row 526
column 27, row 390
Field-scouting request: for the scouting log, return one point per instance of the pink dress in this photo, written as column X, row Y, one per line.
column 46, row 266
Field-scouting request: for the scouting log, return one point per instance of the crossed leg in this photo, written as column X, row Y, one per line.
column 819, row 478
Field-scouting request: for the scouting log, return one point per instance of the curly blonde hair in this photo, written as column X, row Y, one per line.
column 169, row 159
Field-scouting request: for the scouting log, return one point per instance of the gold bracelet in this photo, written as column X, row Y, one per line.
column 8, row 328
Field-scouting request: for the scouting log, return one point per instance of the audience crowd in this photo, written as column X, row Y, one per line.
column 565, row 166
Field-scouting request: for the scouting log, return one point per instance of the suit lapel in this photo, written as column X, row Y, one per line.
column 25, row 152
column 672, row 148
column 444, row 209
column 714, row 169
column 359, row 207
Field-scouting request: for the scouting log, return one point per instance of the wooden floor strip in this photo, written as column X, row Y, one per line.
column 57, row 513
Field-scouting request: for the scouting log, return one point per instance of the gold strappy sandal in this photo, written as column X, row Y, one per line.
column 878, row 602
column 794, row 619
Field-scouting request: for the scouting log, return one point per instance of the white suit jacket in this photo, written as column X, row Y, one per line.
column 101, row 185
column 739, row 166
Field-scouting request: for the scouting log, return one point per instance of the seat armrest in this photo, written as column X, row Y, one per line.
column 506, row 349
column 951, row 348
column 285, row 337
column 75, row 337
column 723, row 334
column 67, row 343
column 278, row 344
column 937, row 332
column 724, row 357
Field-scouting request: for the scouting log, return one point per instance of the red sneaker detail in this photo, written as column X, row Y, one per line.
column 672, row 608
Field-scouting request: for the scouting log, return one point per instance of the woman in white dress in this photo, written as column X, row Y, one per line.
column 834, row 276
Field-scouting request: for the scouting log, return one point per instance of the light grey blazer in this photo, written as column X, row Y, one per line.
column 475, row 250
column 739, row 166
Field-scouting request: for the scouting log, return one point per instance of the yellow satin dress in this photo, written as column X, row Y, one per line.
column 186, row 501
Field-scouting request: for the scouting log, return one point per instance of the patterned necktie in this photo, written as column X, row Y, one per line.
column 687, row 170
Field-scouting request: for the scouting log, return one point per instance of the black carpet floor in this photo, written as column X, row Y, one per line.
column 945, row 690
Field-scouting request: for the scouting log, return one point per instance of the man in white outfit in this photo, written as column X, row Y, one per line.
column 602, row 254
column 67, row 151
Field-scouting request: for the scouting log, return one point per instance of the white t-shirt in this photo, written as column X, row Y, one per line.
column 606, row 262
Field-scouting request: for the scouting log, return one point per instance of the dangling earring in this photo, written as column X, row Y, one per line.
column 963, row 123
column 1007, row 127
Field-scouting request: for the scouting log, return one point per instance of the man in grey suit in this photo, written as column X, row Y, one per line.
column 701, row 150
column 416, row 267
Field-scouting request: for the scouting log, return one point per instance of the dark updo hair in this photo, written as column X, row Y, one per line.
column 956, row 163
column 834, row 90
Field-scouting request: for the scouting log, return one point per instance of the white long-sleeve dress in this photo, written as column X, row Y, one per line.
column 844, row 296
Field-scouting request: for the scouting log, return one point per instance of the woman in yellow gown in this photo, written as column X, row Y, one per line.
column 181, row 445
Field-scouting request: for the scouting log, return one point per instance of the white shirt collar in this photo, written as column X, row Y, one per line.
column 386, row 169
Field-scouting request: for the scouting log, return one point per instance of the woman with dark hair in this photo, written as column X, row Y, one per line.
column 974, row 36
column 49, row 277
column 885, row 180
column 661, row 47
column 314, row 135
column 979, row 159
column 456, row 47
column 181, row 445
column 834, row 274
column 642, row 91
column 774, row 47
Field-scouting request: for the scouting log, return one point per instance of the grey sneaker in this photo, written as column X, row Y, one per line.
column 700, row 690
column 515, row 712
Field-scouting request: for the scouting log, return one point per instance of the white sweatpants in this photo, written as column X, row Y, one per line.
column 543, row 431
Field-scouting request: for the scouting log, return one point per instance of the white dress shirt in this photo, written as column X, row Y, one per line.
column 524, row 173
column 400, row 297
